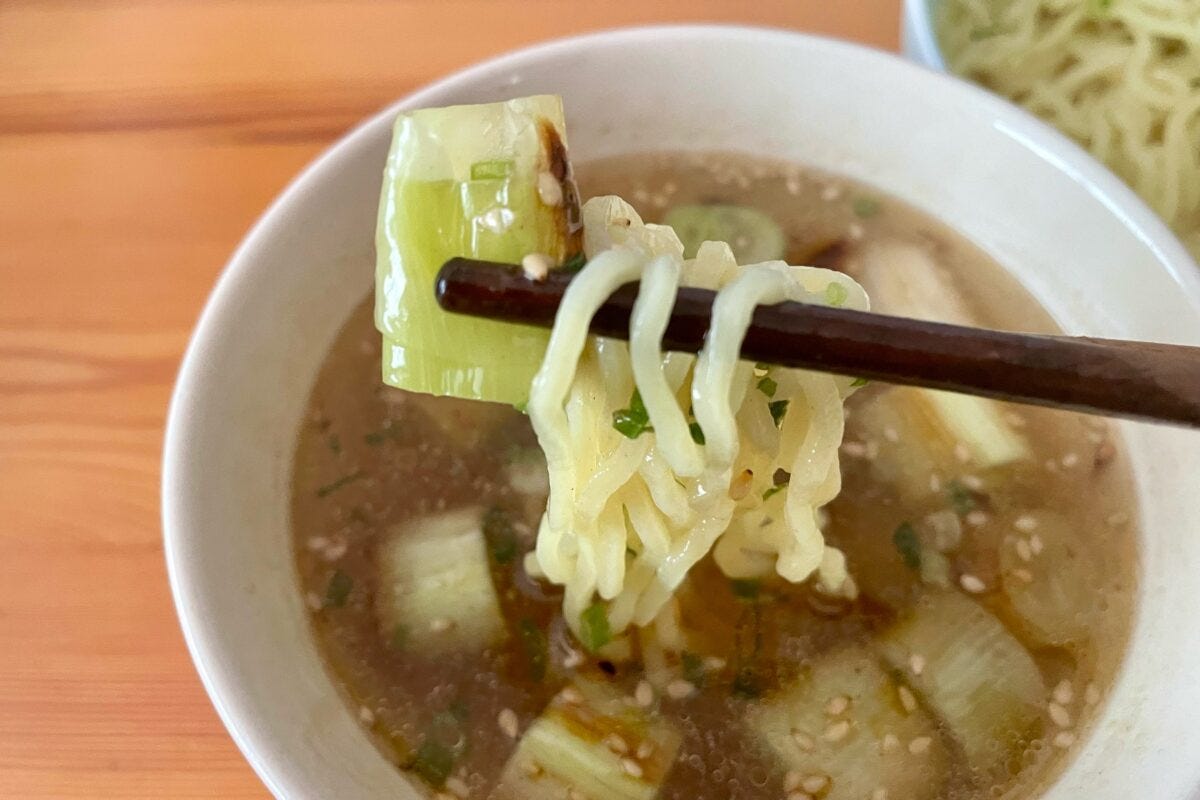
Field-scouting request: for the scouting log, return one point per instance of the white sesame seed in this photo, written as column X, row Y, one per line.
column 793, row 186
column 890, row 434
column 366, row 715
column 643, row 695
column 855, row 231
column 507, row 720
column 714, row 663
column 972, row 584
column 907, row 699
column 1117, row 519
column 837, row 731
column 1025, row 523
column 1059, row 715
column 645, row 749
column 935, row 483
column 1023, row 575
column 854, row 449
column 973, row 482
column 814, row 784
column 615, row 743
column 890, row 743
column 632, row 767
column 1036, row 545
column 571, row 695
column 441, row 624
column 976, row 518
column 1069, row 460
column 536, row 266
column 317, row 543
column 1091, row 695
column 1064, row 692
column 679, row 689
column 879, row 794
column 549, row 189
column 962, row 453
column 831, row 192
column 572, row 659
column 458, row 787
column 1063, row 739
column 803, row 741
column 837, row 705
column 1024, row 551
column 798, row 795
column 919, row 745
column 916, row 663
column 1014, row 419
column 792, row 780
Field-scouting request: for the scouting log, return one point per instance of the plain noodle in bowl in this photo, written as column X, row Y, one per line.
column 1122, row 77
column 696, row 462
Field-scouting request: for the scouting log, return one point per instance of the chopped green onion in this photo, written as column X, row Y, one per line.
column 768, row 386
column 632, row 422
column 745, row 588
column 774, row 490
column 778, row 409
column 459, row 710
column 433, row 762
column 593, row 628
column 907, row 544
column 399, row 638
column 697, row 432
column 857, row 382
column 574, row 263
column 497, row 169
column 533, row 639
column 501, row 535
column 961, row 499
column 866, row 207
column 835, row 294
column 693, row 669
column 338, row 590
column 330, row 488
column 521, row 407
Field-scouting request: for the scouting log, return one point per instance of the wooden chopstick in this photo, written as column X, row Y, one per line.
column 1140, row 380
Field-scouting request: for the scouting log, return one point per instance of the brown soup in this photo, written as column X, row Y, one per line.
column 1042, row 545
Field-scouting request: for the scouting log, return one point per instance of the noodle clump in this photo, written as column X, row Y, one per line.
column 655, row 459
column 1122, row 77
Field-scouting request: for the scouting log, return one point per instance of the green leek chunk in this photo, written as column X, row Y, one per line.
column 632, row 422
column 464, row 181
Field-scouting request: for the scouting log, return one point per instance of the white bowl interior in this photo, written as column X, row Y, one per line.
column 1072, row 234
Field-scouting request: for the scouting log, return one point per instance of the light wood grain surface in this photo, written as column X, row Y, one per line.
column 138, row 142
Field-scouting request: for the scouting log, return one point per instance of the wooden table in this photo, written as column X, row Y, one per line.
column 139, row 139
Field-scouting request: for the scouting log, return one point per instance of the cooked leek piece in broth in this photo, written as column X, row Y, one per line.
column 490, row 182
column 965, row 648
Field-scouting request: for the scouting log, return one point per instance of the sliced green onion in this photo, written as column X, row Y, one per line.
column 593, row 628
column 632, row 422
column 908, row 545
column 338, row 590
column 866, row 207
column 330, row 488
column 433, row 762
column 501, row 535
column 767, row 384
column 778, row 409
column 745, row 588
column 533, row 639
column 697, row 432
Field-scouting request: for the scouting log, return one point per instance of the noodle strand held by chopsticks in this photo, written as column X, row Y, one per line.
column 1120, row 76
column 633, row 509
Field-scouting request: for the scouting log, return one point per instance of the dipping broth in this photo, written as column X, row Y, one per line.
column 780, row 692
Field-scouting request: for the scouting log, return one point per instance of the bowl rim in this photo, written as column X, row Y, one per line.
column 918, row 24
column 200, row 635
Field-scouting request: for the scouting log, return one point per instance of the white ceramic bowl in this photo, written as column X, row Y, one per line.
column 1071, row 232
column 918, row 38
